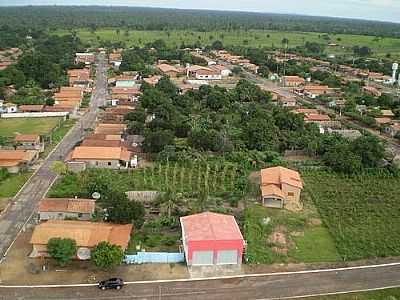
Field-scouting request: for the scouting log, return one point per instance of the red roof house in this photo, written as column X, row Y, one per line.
column 211, row 239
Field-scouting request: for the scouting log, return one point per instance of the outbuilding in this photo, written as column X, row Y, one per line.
column 211, row 239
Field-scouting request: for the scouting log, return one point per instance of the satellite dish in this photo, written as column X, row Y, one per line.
column 83, row 253
column 96, row 195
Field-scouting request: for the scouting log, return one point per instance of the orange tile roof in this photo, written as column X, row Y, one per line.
column 306, row 111
column 100, row 153
column 26, row 138
column 279, row 175
column 106, row 137
column 31, row 107
column 316, row 118
column 271, row 189
column 9, row 158
column 167, row 68
column 101, row 143
column 71, row 89
column 382, row 121
column 293, row 79
column 86, row 234
column 207, row 72
column 71, row 205
column 316, row 87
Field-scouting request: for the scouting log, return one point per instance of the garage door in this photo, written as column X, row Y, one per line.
column 227, row 257
column 203, row 258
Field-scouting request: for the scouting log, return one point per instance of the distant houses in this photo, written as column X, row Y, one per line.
column 86, row 58
column 292, row 81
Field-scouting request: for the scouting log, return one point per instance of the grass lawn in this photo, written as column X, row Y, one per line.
column 252, row 38
column 58, row 135
column 300, row 240
column 10, row 127
column 361, row 212
column 388, row 294
column 11, row 185
column 315, row 246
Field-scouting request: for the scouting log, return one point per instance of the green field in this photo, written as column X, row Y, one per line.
column 11, row 127
column 303, row 242
column 252, row 38
column 58, row 135
column 12, row 184
column 361, row 212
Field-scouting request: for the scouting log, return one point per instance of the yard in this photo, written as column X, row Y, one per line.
column 11, row 127
column 361, row 212
column 11, row 185
column 57, row 135
column 280, row 236
column 251, row 38
column 18, row 268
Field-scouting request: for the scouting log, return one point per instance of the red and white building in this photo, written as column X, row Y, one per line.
column 211, row 239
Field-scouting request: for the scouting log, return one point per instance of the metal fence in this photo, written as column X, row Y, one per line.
column 154, row 258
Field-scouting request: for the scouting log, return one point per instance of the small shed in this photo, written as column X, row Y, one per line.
column 211, row 239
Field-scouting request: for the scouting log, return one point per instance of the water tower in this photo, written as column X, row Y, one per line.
column 395, row 67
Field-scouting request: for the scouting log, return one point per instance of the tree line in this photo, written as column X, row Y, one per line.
column 136, row 18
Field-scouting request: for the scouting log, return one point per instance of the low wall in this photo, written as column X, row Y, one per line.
column 143, row 196
column 35, row 115
column 155, row 258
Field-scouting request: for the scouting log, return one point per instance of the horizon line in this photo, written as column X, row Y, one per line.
column 203, row 9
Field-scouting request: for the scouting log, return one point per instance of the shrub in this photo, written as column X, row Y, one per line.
column 106, row 255
column 62, row 250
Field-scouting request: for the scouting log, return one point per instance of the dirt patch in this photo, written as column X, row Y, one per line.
column 279, row 240
column 255, row 177
column 297, row 233
column 315, row 222
column 18, row 268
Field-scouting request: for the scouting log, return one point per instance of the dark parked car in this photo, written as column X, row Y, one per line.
column 112, row 283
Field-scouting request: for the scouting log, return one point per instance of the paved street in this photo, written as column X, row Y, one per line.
column 263, row 287
column 12, row 221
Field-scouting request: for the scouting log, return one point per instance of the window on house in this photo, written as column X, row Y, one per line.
column 109, row 163
column 290, row 194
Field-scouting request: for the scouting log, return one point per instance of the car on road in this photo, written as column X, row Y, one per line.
column 112, row 283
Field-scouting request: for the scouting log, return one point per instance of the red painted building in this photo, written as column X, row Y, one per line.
column 211, row 239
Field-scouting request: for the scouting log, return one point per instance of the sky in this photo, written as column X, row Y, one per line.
column 381, row 10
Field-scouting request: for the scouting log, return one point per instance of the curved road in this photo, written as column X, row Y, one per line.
column 271, row 286
column 24, row 203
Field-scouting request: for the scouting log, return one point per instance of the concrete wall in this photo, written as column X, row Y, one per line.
column 143, row 196
column 44, row 216
column 36, row 115
column 292, row 197
column 76, row 166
